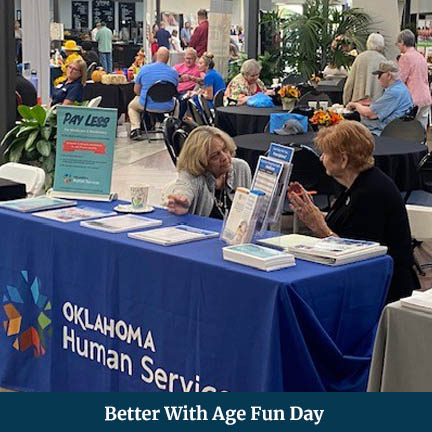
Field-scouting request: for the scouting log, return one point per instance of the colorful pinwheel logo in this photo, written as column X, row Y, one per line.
column 26, row 310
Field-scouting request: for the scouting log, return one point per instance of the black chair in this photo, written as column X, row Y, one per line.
column 91, row 68
column 314, row 96
column 218, row 99
column 407, row 128
column 421, row 197
column 293, row 80
column 169, row 126
column 159, row 92
column 196, row 115
column 175, row 132
column 207, row 112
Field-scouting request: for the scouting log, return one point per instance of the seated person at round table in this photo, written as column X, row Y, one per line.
column 71, row 90
column 208, row 174
column 213, row 81
column 370, row 207
column 395, row 102
column 72, row 53
column 189, row 77
column 246, row 83
column 147, row 76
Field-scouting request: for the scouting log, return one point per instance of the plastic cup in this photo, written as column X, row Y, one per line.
column 139, row 196
column 323, row 105
column 312, row 104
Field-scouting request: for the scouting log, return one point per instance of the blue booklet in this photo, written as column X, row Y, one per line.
column 28, row 205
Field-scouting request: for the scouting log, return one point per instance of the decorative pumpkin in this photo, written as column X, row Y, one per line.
column 96, row 76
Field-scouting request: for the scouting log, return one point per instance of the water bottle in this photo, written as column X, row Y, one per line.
column 34, row 79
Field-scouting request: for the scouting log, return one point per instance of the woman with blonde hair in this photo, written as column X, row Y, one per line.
column 71, row 90
column 369, row 208
column 208, row 174
column 246, row 83
column 213, row 81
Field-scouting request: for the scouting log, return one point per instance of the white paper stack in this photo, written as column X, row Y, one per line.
column 331, row 251
column 259, row 257
column 28, row 205
column 420, row 300
column 118, row 224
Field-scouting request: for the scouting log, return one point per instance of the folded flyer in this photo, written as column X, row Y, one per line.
column 28, row 205
column 174, row 235
column 118, row 224
column 74, row 214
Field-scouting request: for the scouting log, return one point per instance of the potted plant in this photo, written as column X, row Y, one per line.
column 289, row 96
column 33, row 140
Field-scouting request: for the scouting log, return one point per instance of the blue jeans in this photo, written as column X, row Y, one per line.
column 106, row 61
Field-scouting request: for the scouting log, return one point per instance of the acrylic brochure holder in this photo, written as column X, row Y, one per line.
column 85, row 152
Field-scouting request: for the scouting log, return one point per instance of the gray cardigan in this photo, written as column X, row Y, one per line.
column 361, row 83
column 200, row 190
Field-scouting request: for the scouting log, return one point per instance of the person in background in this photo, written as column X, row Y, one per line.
column 163, row 36
column 370, row 207
column 153, row 41
column 18, row 42
column 71, row 90
column 72, row 51
column 208, row 174
column 246, row 83
column 175, row 42
column 199, row 38
column 332, row 71
column 94, row 31
column 147, row 76
column 104, row 39
column 394, row 103
column 213, row 81
column 414, row 73
column 26, row 91
column 361, row 86
column 89, row 54
column 189, row 77
column 185, row 34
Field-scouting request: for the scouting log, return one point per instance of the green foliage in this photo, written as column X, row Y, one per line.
column 33, row 140
column 304, row 42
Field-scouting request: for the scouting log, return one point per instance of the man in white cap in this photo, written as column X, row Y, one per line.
column 395, row 102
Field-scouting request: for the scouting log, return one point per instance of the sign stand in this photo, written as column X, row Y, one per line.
column 85, row 151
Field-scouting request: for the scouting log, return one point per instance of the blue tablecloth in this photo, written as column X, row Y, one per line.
column 92, row 311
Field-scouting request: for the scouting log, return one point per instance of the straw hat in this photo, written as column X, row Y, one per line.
column 71, row 45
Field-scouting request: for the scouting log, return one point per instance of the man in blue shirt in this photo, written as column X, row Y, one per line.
column 394, row 103
column 148, row 75
column 163, row 36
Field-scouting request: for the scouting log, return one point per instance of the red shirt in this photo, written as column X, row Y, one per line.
column 199, row 38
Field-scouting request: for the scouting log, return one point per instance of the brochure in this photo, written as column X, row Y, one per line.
column 118, row 224
column 260, row 257
column 73, row 214
column 245, row 209
column 28, row 205
column 266, row 179
column 173, row 235
column 332, row 251
column 282, row 154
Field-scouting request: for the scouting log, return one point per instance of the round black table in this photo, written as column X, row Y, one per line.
column 239, row 120
column 396, row 157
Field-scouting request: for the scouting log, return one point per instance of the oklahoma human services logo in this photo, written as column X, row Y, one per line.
column 31, row 327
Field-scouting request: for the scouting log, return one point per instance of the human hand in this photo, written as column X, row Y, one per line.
column 309, row 213
column 351, row 106
column 242, row 99
column 296, row 188
column 178, row 204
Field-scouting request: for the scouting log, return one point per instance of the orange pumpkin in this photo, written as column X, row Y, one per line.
column 96, row 76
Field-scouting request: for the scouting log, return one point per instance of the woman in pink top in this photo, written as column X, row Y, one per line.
column 189, row 77
column 414, row 73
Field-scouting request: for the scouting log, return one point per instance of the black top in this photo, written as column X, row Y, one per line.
column 72, row 91
column 222, row 203
column 26, row 90
column 91, row 57
column 373, row 209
